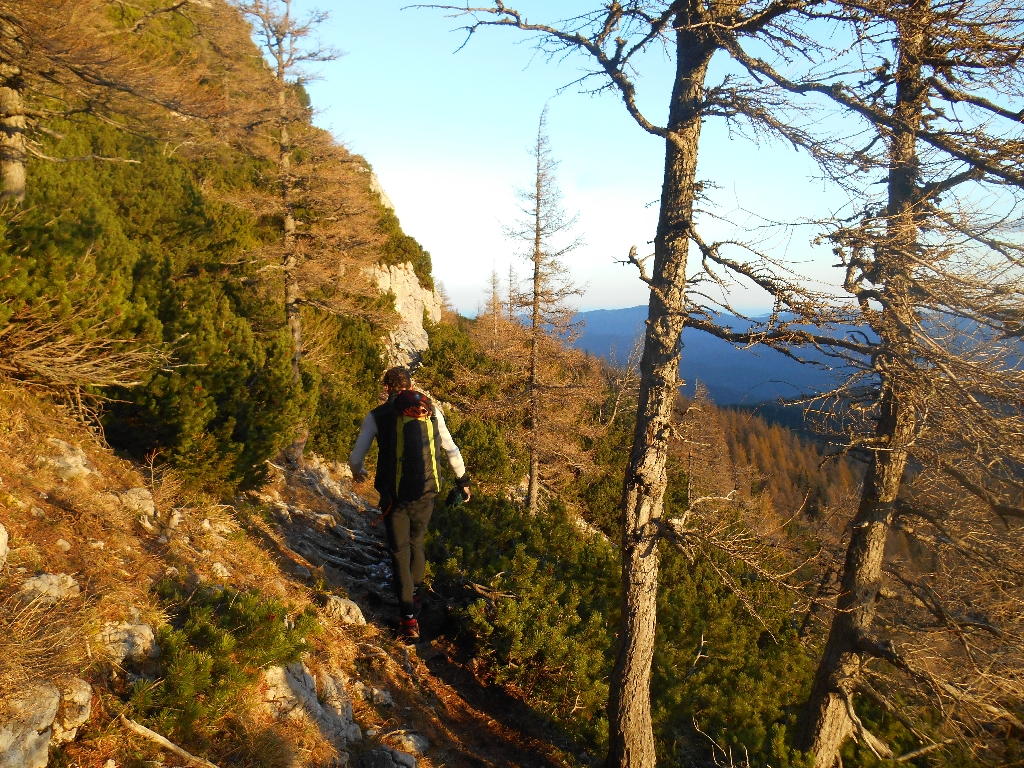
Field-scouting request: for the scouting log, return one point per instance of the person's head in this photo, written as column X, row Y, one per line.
column 397, row 379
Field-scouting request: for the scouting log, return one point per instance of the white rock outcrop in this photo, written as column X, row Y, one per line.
column 70, row 461
column 378, row 190
column 74, row 711
column 49, row 588
column 25, row 737
column 344, row 611
column 40, row 716
column 130, row 640
column 220, row 571
column 138, row 501
column 291, row 692
column 412, row 300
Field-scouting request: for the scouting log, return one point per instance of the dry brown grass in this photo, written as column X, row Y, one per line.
column 39, row 644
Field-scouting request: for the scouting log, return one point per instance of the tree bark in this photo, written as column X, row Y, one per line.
column 292, row 307
column 826, row 723
column 13, row 155
column 631, row 736
column 533, row 493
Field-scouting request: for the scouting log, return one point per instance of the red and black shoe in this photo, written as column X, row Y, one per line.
column 409, row 629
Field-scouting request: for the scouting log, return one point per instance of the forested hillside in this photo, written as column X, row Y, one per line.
column 163, row 268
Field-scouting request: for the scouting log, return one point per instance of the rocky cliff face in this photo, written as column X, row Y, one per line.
column 412, row 302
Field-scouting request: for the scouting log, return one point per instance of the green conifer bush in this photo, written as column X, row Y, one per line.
column 212, row 653
column 399, row 248
column 546, row 634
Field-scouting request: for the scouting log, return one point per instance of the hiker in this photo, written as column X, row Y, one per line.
column 409, row 430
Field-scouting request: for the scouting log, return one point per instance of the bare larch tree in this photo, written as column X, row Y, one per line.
column 545, row 300
column 935, row 267
column 612, row 38
column 319, row 200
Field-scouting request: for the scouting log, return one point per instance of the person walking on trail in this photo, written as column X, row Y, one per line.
column 409, row 431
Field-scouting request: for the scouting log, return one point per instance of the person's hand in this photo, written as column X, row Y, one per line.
column 359, row 475
column 462, row 484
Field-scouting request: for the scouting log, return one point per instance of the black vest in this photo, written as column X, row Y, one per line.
column 407, row 455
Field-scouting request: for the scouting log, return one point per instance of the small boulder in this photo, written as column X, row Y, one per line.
column 139, row 501
column 4, row 549
column 413, row 743
column 70, row 461
column 25, row 737
column 373, row 695
column 63, row 545
column 344, row 611
column 75, row 709
column 134, row 641
column 50, row 588
column 220, row 571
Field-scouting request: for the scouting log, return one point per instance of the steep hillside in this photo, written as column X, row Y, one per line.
column 133, row 608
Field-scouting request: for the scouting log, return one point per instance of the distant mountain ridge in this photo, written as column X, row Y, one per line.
column 732, row 376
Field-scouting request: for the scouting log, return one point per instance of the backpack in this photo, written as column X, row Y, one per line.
column 408, row 439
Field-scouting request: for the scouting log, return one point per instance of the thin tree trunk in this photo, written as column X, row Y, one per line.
column 13, row 154
column 292, row 307
column 631, row 736
column 826, row 723
column 533, row 493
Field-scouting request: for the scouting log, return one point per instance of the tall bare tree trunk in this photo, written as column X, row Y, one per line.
column 12, row 135
column 533, row 493
column 292, row 307
column 631, row 737
column 828, row 720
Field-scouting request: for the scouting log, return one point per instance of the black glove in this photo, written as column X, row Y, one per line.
column 454, row 498
column 462, row 483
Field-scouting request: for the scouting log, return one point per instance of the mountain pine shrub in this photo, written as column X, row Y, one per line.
column 212, row 653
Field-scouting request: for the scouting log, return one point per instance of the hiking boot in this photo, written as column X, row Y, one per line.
column 409, row 629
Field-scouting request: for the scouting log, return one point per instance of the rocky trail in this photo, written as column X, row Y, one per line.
column 86, row 540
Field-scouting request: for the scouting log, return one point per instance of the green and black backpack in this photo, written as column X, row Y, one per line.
column 408, row 442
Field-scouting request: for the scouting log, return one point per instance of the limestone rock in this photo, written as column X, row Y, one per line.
column 377, row 189
column 373, row 695
column 139, row 501
column 50, row 588
column 25, row 737
column 291, row 692
column 75, row 709
column 344, row 611
column 411, row 301
column 130, row 640
column 388, row 758
column 413, row 743
column 220, row 571
column 4, row 549
column 70, row 461
column 63, row 545
column 334, row 694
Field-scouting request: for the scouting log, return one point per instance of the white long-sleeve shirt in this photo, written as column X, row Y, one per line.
column 369, row 431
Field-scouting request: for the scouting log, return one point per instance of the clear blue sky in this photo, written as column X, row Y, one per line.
column 447, row 133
